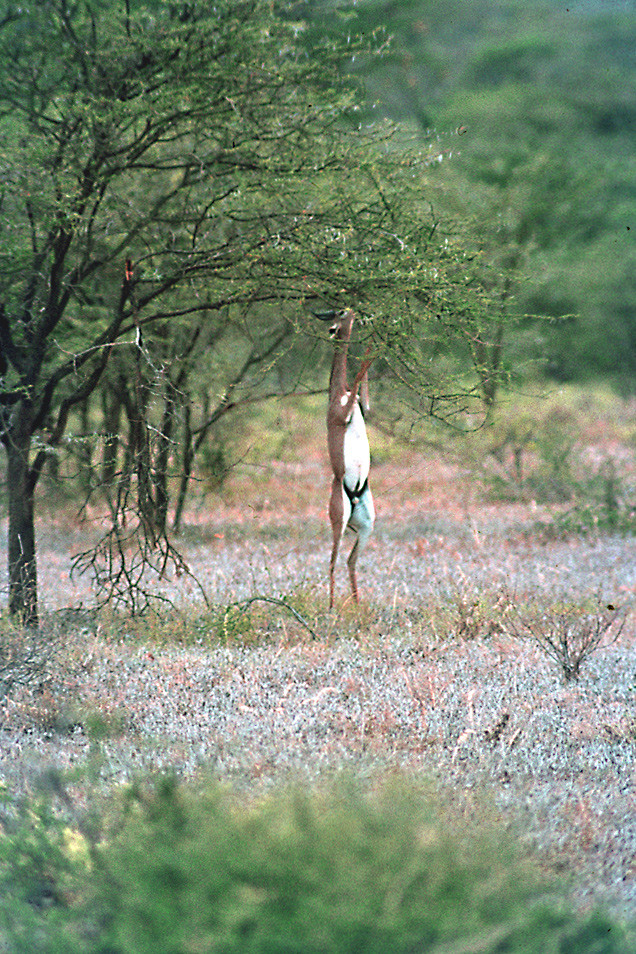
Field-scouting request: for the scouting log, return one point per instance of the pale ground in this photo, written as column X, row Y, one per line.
column 428, row 680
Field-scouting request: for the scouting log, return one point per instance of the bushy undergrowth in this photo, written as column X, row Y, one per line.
column 570, row 447
column 568, row 631
column 179, row 871
column 605, row 505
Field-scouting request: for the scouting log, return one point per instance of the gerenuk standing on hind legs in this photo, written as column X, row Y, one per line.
column 351, row 503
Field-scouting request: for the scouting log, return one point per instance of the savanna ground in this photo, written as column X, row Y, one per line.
column 441, row 674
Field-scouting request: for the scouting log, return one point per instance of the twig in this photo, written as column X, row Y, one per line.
column 243, row 604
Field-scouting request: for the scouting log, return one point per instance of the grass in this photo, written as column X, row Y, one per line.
column 348, row 867
column 341, row 869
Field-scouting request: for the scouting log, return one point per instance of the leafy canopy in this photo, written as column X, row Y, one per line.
column 204, row 144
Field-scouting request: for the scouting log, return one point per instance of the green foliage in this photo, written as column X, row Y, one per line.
column 182, row 870
column 179, row 187
column 560, row 447
column 545, row 165
column 32, row 845
column 534, row 450
column 38, row 865
column 603, row 505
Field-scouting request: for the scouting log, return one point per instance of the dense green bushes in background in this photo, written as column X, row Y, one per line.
column 544, row 95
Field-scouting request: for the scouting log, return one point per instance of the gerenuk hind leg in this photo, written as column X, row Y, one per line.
column 339, row 514
column 361, row 520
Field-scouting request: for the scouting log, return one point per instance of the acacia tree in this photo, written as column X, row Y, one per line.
column 161, row 163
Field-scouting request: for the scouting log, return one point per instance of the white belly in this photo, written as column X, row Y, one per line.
column 357, row 458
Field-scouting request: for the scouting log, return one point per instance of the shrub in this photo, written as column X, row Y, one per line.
column 604, row 502
column 37, row 868
column 568, row 632
column 25, row 655
column 467, row 610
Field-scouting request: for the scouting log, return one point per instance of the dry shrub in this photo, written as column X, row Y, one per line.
column 568, row 632
column 37, row 668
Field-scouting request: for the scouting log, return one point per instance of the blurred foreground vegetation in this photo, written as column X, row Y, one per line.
column 179, row 870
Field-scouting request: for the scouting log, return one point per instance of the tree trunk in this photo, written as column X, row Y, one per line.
column 23, row 588
column 162, row 457
column 187, row 461
column 111, row 408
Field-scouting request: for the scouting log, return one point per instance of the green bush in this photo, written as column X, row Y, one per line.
column 604, row 503
column 336, row 870
column 38, row 868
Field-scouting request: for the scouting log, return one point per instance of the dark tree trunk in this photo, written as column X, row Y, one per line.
column 160, row 473
column 111, row 407
column 186, row 471
column 23, row 589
